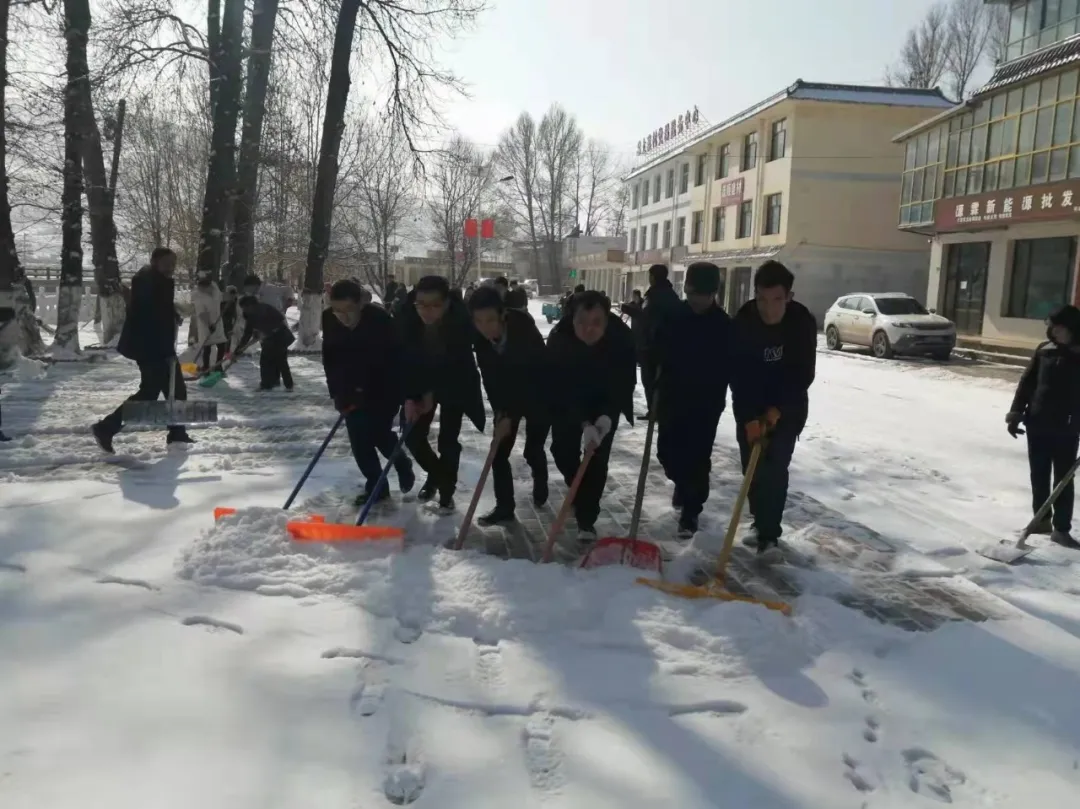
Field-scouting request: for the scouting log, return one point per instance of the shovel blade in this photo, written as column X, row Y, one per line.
column 712, row 591
column 315, row 530
column 1007, row 552
column 634, row 553
column 211, row 379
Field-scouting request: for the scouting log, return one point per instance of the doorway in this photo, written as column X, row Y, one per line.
column 740, row 287
column 965, row 285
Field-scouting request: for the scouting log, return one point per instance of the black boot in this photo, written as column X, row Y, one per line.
column 178, row 435
column 540, row 492
column 1043, row 528
column 4, row 437
column 768, row 550
column 688, row 526
column 446, row 502
column 364, row 496
column 103, row 437
column 427, row 491
column 676, row 498
column 499, row 515
column 406, row 477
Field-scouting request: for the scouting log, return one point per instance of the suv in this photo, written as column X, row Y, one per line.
column 888, row 323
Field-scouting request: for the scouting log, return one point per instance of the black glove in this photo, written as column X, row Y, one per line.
column 1012, row 422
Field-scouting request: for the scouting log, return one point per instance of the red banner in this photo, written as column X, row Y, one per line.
column 1033, row 203
column 470, row 229
column 487, row 229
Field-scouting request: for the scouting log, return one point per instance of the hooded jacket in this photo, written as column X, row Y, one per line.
column 1048, row 394
column 592, row 381
column 439, row 359
column 149, row 331
column 774, row 366
column 514, row 369
column 363, row 364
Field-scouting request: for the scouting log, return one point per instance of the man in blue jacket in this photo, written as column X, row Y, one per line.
column 776, row 355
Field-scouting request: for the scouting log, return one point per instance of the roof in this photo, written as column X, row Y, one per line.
column 802, row 90
column 1058, row 54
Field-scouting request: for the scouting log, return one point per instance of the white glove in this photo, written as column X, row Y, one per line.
column 603, row 426
column 590, row 437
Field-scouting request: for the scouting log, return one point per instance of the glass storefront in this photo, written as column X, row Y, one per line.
column 1041, row 277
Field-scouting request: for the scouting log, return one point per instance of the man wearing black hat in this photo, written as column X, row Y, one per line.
column 691, row 394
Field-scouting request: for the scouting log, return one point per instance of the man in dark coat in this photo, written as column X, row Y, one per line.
column 775, row 362
column 361, row 354
column 266, row 321
column 1047, row 402
column 149, row 338
column 661, row 302
column 694, row 353
column 511, row 356
column 591, row 354
column 440, row 371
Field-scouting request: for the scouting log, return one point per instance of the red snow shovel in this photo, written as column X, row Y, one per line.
column 564, row 510
column 496, row 439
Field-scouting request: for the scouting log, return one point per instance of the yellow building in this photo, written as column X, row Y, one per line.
column 995, row 185
column 808, row 176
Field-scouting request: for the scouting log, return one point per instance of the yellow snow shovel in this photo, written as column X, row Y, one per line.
column 714, row 587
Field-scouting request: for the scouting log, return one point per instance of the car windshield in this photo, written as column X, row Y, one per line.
column 899, row 306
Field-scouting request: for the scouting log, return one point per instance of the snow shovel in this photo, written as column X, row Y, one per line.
column 564, row 510
column 169, row 413
column 223, row 511
column 496, row 439
column 320, row 531
column 713, row 588
column 1009, row 552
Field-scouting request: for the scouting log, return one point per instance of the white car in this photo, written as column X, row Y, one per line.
column 888, row 323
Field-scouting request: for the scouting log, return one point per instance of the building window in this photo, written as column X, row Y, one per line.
column 746, row 220
column 1037, row 23
column 634, row 197
column 699, row 172
column 719, row 219
column 778, row 140
column 633, row 240
column 1042, row 275
column 669, row 188
column 680, row 232
column 772, row 214
column 653, row 231
column 667, row 234
column 723, row 162
column 656, row 188
column 697, row 221
column 684, row 178
column 749, row 151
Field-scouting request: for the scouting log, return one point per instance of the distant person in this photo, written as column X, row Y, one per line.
column 265, row 322
column 517, row 299
column 501, row 285
column 210, row 333
column 661, row 302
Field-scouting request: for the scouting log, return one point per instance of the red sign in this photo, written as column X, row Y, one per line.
column 470, row 228
column 487, row 229
column 1034, row 203
column 731, row 191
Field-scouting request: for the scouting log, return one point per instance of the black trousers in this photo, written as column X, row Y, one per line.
column 566, row 450
column 1052, row 453
column 274, row 360
column 371, row 431
column 648, row 379
column 153, row 382
column 442, row 468
column 684, row 446
column 536, row 433
column 768, row 491
column 208, row 354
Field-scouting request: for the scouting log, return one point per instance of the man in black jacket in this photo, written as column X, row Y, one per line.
column 776, row 357
column 361, row 354
column 591, row 354
column 511, row 356
column 275, row 337
column 149, row 338
column 1047, row 402
column 440, row 371
column 694, row 352
column 661, row 302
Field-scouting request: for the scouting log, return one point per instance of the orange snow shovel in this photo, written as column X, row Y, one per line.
column 496, row 438
column 564, row 510
column 714, row 587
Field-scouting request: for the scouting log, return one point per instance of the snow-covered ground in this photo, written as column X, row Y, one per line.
column 150, row 658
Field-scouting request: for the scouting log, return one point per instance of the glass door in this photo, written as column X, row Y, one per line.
column 965, row 285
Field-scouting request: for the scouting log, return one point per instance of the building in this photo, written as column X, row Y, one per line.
column 995, row 185
column 807, row 176
column 530, row 263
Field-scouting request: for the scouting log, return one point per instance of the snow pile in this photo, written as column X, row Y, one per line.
column 25, row 369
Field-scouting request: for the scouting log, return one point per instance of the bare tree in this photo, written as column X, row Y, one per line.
column 594, row 181
column 968, row 33
column 997, row 45
column 615, row 224
column 516, row 157
column 924, row 56
column 459, row 178
column 559, row 141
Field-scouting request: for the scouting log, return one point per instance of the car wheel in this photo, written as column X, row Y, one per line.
column 942, row 356
column 832, row 339
column 881, row 346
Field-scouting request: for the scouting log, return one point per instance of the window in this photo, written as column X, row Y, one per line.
column 696, row 222
column 656, row 188
column 667, row 234
column 723, row 162
column 778, row 140
column 684, row 178
column 680, row 232
column 749, row 151
column 899, row 306
column 653, row 231
column 772, row 214
column 1041, row 277
column 699, row 172
column 719, row 217
column 669, row 188
column 746, row 220
column 1037, row 23
column 633, row 240
column 634, row 198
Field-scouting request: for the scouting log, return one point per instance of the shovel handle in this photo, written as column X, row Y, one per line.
column 467, row 522
column 564, row 510
column 736, row 512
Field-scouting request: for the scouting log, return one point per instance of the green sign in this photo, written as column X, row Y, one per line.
column 572, row 274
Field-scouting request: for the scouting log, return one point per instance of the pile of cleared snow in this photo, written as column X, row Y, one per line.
column 25, row 369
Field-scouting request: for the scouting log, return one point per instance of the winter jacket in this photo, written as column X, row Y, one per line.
column 1047, row 397
column 229, row 315
column 209, row 329
column 439, row 359
column 661, row 302
column 638, row 327
column 592, row 381
column 774, row 365
column 264, row 320
column 363, row 364
column 149, row 331
column 514, row 368
column 695, row 353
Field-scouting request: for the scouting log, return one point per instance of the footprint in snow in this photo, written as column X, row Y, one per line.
column 931, row 777
column 366, row 698
column 145, row 585
column 870, row 732
column 406, row 634
column 406, row 775
column 852, row 773
column 212, row 623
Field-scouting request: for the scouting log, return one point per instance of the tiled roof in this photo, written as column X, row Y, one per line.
column 1041, row 61
column 743, row 254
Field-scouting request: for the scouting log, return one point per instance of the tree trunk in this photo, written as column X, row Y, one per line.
column 213, row 47
column 118, row 142
column 241, row 237
column 69, row 299
column 221, row 166
column 322, row 208
column 99, row 196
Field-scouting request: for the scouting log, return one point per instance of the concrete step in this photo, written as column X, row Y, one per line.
column 997, row 357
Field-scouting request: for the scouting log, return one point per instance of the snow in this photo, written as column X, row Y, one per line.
column 152, row 657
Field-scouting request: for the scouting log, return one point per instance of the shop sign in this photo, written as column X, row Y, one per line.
column 731, row 191
column 680, row 125
column 1034, row 203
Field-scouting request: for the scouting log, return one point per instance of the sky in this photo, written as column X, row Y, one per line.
column 623, row 67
